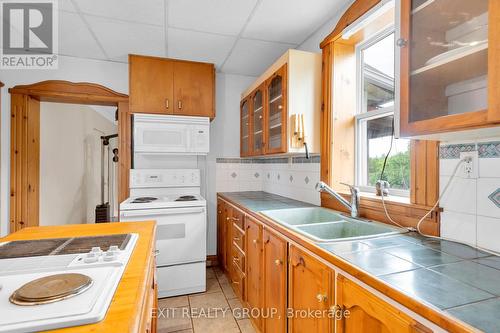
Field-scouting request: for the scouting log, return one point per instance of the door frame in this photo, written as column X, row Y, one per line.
column 25, row 140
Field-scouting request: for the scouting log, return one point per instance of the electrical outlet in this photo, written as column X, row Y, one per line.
column 469, row 167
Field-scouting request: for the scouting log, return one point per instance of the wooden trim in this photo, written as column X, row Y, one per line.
column 71, row 92
column 283, row 73
column 493, row 56
column 326, row 112
column 25, row 140
column 355, row 11
column 439, row 318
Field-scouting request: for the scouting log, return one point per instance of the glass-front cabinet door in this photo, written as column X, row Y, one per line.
column 445, row 64
column 245, row 128
column 258, row 121
column 276, row 112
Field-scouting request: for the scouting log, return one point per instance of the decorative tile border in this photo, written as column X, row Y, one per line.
column 484, row 149
column 495, row 197
column 271, row 160
column 453, row 151
column 489, row 149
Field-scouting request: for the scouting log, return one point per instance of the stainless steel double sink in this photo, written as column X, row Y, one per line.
column 325, row 225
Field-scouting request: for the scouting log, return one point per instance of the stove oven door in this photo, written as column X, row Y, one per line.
column 180, row 233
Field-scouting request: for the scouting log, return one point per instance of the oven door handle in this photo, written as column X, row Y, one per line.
column 156, row 212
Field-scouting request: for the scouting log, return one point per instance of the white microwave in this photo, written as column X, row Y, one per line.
column 162, row 134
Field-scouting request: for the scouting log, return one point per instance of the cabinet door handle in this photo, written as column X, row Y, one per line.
column 278, row 262
column 236, row 238
column 321, row 298
column 254, row 241
column 167, row 103
column 179, row 105
column 227, row 218
column 235, row 219
column 401, row 42
column 236, row 259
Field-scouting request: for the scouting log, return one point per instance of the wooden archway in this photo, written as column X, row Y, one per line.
column 25, row 140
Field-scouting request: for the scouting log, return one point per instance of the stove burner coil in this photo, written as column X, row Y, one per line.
column 144, row 200
column 186, row 198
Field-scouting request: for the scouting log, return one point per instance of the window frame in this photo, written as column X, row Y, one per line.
column 361, row 116
column 424, row 179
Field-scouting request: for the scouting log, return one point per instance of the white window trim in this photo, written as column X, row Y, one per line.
column 361, row 161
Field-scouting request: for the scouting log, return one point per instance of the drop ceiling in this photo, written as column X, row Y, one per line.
column 239, row 36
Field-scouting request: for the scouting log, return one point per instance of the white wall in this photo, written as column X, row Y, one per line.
column 70, row 162
column 224, row 140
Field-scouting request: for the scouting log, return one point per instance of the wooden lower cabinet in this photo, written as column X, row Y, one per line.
column 254, row 257
column 275, row 282
column 368, row 313
column 310, row 291
column 221, row 233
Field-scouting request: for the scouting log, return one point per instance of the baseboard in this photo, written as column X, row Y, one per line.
column 212, row 261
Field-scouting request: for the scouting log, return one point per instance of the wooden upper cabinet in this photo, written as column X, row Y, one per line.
column 276, row 113
column 245, row 143
column 450, row 71
column 368, row 313
column 258, row 115
column 168, row 86
column 309, row 288
column 288, row 91
column 151, row 85
column 194, row 88
column 254, row 257
column 275, row 282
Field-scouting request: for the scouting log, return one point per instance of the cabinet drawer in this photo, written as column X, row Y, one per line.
column 238, row 218
column 238, row 259
column 238, row 282
column 238, row 237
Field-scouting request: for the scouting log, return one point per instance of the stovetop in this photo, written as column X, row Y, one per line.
column 60, row 246
column 165, row 201
column 66, row 256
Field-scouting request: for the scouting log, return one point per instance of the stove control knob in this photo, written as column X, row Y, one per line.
column 113, row 248
column 90, row 258
column 96, row 249
column 109, row 256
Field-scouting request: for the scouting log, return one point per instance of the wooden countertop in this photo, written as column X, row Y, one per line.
column 124, row 313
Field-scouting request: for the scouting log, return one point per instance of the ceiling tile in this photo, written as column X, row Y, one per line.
column 67, row 5
column 290, row 21
column 121, row 38
column 252, row 57
column 216, row 16
column 198, row 46
column 85, row 46
column 150, row 11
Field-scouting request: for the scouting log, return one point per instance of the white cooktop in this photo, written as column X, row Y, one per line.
column 86, row 308
column 134, row 203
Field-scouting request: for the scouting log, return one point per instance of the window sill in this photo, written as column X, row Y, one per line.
column 387, row 199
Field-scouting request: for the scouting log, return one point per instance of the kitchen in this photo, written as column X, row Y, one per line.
column 267, row 159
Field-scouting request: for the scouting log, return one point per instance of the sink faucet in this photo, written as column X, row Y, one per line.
column 353, row 206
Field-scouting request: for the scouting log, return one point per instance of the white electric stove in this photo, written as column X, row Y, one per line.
column 171, row 197
column 34, row 279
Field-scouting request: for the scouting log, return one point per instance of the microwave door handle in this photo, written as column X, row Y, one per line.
column 156, row 212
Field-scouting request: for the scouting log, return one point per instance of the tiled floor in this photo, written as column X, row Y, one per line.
column 216, row 310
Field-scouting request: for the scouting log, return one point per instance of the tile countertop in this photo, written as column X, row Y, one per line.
column 454, row 278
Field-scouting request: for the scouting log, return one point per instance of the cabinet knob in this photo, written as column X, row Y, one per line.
column 167, row 103
column 321, row 298
column 278, row 262
column 220, row 212
column 179, row 105
column 227, row 218
column 254, row 241
column 401, row 42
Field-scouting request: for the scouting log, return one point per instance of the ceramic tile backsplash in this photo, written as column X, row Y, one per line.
column 472, row 206
column 293, row 177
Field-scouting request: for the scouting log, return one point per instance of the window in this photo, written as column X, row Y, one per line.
column 375, row 118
